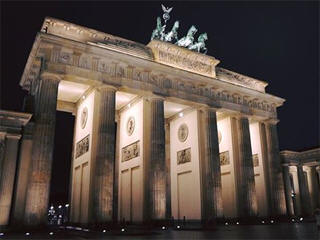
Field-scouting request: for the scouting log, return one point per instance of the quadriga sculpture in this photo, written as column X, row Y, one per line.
column 173, row 34
column 159, row 33
column 200, row 46
column 156, row 33
column 188, row 40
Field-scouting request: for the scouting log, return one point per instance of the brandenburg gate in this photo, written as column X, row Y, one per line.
column 160, row 131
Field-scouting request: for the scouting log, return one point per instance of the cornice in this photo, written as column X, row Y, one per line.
column 70, row 58
column 308, row 156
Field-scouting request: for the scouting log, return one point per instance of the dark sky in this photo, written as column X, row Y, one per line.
column 277, row 42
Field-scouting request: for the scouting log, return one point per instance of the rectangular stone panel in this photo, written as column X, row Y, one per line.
column 82, row 146
column 131, row 151
column 224, row 158
column 184, row 156
column 255, row 159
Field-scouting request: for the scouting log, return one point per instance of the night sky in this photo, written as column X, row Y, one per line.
column 277, row 42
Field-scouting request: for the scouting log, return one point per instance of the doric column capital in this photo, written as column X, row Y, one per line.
column 239, row 116
column 2, row 136
column 13, row 136
column 106, row 87
column 50, row 76
column 271, row 121
column 153, row 97
column 206, row 108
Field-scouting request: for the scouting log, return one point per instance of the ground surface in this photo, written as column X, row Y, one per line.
column 271, row 231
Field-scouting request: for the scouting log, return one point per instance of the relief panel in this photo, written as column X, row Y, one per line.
column 130, row 151
column 255, row 159
column 224, row 158
column 82, row 146
column 184, row 156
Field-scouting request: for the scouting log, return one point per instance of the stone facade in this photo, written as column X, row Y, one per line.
column 160, row 132
column 301, row 171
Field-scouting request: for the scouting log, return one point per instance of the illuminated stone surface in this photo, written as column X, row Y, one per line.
column 210, row 166
column 104, row 160
column 107, row 79
column 11, row 124
column 42, row 151
column 247, row 201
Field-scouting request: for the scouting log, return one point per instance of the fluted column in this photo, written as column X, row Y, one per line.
column 288, row 190
column 317, row 168
column 315, row 187
column 23, row 170
column 318, row 172
column 2, row 150
column 42, row 151
column 156, row 167
column 304, row 192
column 276, row 185
column 168, row 171
column 105, row 156
column 246, row 193
column 8, row 169
column 210, row 166
column 264, row 153
column 116, row 174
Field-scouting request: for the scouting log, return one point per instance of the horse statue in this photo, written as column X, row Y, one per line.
column 200, row 45
column 173, row 34
column 188, row 40
column 156, row 33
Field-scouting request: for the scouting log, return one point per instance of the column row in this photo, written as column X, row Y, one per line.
column 302, row 188
column 93, row 180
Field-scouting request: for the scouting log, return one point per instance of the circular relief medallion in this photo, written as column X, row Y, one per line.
column 130, row 125
column 183, row 132
column 84, row 117
column 219, row 137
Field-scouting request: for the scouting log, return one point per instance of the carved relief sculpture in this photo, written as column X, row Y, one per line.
column 219, row 137
column 224, row 158
column 255, row 159
column 184, row 156
column 82, row 146
column 130, row 151
column 183, row 132
column 84, row 117
column 130, row 125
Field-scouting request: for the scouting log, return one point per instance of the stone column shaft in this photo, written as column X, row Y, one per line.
column 23, row 172
column 318, row 183
column 304, row 192
column 157, row 163
column 315, row 187
column 2, row 150
column 247, row 200
column 116, row 174
column 168, row 171
column 264, row 151
column 105, row 156
column 42, row 152
column 278, row 203
column 210, row 166
column 8, row 170
column 288, row 191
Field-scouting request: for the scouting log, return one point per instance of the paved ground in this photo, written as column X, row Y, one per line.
column 272, row 231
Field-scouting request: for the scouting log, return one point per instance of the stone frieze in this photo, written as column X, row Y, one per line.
column 123, row 70
column 112, row 71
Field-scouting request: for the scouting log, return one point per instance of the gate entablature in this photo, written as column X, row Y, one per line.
column 75, row 53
